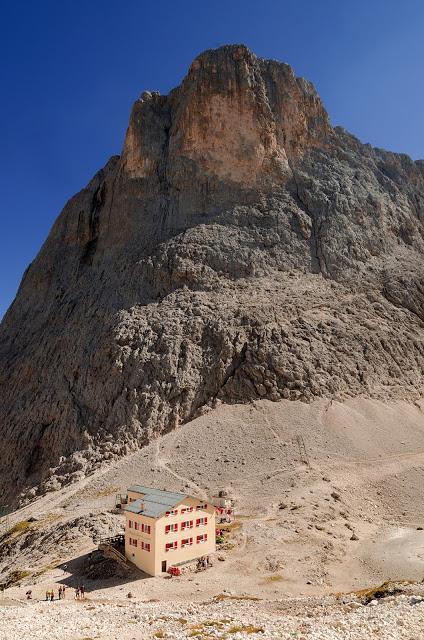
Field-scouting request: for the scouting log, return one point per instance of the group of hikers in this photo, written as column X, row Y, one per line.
column 79, row 593
column 203, row 563
column 61, row 593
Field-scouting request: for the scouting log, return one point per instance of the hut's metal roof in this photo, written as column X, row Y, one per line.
column 153, row 503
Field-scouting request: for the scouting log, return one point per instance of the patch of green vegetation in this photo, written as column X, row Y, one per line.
column 15, row 532
column 159, row 634
column 232, row 526
column 250, row 628
column 390, row 587
column 18, row 528
column 383, row 590
column 223, row 596
column 47, row 567
column 213, row 623
column 50, row 517
column 23, row 525
column 14, row 577
column 103, row 493
column 274, row 578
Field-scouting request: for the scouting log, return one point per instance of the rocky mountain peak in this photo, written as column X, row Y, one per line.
column 239, row 248
column 235, row 118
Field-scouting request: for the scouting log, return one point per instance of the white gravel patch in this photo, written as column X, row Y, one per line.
column 393, row 618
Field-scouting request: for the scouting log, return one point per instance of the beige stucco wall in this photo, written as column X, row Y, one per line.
column 144, row 560
column 151, row 562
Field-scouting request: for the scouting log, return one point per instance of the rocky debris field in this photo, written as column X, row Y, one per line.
column 229, row 617
column 340, row 512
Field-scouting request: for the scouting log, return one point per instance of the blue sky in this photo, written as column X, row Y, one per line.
column 70, row 71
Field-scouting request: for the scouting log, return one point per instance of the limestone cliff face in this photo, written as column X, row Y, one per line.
column 240, row 247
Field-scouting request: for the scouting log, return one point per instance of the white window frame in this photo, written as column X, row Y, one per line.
column 189, row 542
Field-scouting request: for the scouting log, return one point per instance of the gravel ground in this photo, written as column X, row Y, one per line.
column 394, row 617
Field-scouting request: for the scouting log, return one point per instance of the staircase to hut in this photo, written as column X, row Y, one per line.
column 114, row 548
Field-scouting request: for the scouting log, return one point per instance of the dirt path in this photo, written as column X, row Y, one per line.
column 163, row 464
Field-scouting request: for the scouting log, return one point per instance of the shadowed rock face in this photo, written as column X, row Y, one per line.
column 240, row 247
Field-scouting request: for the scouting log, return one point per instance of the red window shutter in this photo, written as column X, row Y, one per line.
column 205, row 537
column 191, row 540
column 148, row 528
column 197, row 522
column 176, row 527
column 130, row 524
column 206, row 521
column 183, row 524
column 191, row 524
column 167, row 527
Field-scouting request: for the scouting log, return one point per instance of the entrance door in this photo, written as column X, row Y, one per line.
column 163, row 566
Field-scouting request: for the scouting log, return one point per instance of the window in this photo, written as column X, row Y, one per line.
column 145, row 546
column 174, row 512
column 171, row 546
column 130, row 524
column 201, row 522
column 202, row 538
column 186, row 542
column 200, row 507
column 145, row 528
column 136, row 526
column 186, row 510
column 188, row 524
column 171, row 528
column 133, row 542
